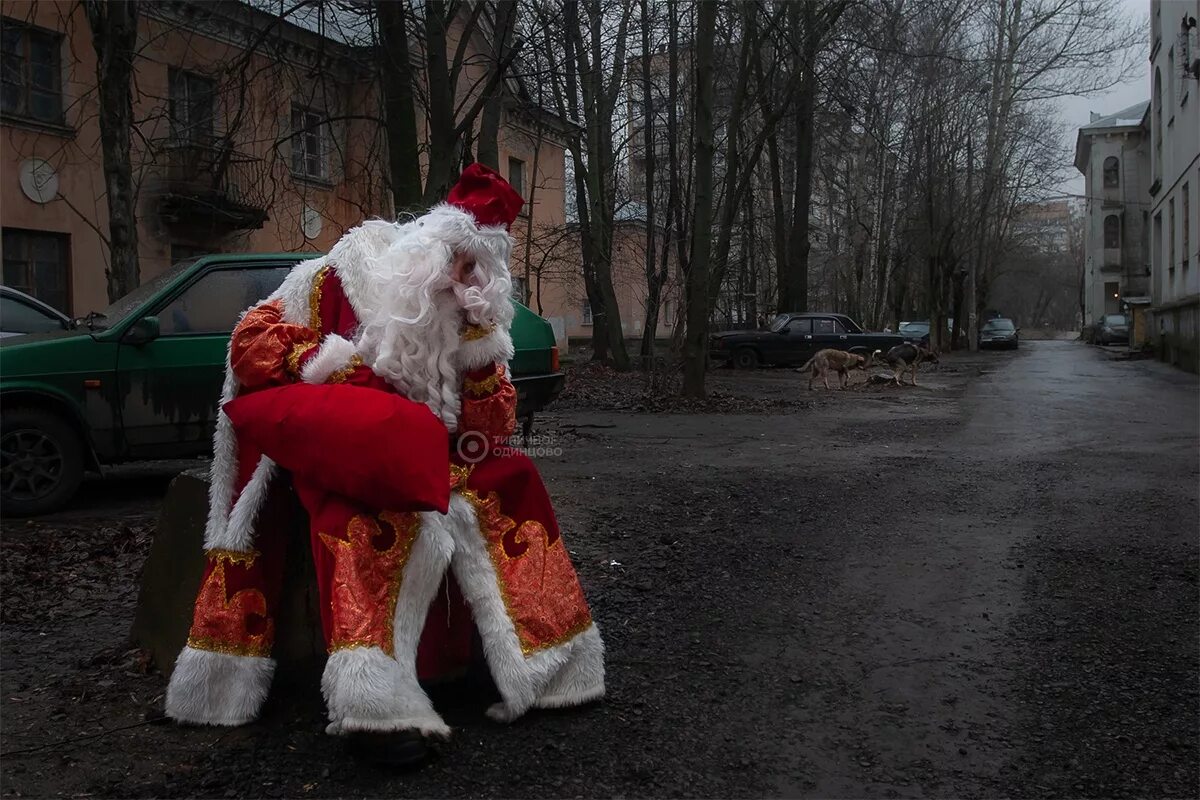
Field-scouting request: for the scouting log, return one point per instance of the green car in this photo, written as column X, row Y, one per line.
column 141, row 380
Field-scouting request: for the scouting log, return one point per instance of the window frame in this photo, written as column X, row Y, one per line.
column 1117, row 232
column 1187, row 226
column 587, row 319
column 520, row 162
column 63, row 241
column 185, row 130
column 27, row 88
column 301, row 132
column 1111, row 178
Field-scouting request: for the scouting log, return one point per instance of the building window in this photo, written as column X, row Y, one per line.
column 310, row 147
column 1158, row 123
column 518, row 289
column 1187, row 227
column 1171, row 232
column 1112, row 172
column 30, row 72
column 36, row 263
column 516, row 175
column 587, row 312
column 1112, row 232
column 191, row 107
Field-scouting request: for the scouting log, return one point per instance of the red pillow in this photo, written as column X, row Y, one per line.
column 372, row 446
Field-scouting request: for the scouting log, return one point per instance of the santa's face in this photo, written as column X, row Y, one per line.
column 462, row 269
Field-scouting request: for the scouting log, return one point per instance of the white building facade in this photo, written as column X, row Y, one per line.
column 1175, row 187
column 1113, row 154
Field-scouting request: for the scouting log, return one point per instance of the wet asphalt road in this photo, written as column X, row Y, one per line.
column 982, row 586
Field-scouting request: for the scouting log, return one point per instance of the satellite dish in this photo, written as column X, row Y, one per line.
column 39, row 181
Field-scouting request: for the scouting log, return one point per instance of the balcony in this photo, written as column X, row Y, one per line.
column 211, row 188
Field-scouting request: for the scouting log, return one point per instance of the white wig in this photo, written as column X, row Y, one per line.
column 411, row 313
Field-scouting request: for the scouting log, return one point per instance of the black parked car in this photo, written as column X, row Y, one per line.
column 1111, row 329
column 793, row 339
column 999, row 333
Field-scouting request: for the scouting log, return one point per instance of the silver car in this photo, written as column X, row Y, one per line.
column 21, row 314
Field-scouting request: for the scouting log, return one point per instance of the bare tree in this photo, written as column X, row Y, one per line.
column 696, row 276
column 114, row 26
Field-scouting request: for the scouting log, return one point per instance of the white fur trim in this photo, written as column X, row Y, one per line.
column 296, row 290
column 223, row 471
column 572, row 672
column 334, row 354
column 458, row 229
column 581, row 679
column 238, row 531
column 365, row 690
column 209, row 688
column 495, row 348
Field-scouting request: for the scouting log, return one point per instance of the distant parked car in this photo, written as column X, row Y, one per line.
column 793, row 338
column 920, row 330
column 999, row 333
column 21, row 314
column 1111, row 329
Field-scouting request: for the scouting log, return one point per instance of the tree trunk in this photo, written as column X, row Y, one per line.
column 444, row 146
column 114, row 27
column 696, row 340
column 400, row 108
column 488, row 149
column 653, row 286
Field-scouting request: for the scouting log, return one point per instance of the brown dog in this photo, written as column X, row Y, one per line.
column 838, row 360
column 908, row 357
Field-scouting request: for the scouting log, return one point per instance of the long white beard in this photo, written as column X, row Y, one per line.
column 411, row 312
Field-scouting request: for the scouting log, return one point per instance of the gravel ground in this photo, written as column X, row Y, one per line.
column 982, row 586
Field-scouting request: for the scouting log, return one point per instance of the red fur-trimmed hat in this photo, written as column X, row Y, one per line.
column 487, row 197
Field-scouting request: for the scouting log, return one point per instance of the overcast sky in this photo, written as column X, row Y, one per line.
column 1075, row 110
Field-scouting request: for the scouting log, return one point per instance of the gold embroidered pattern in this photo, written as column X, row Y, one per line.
column 245, row 558
column 473, row 333
column 538, row 586
column 368, row 567
column 485, row 386
column 298, row 352
column 314, row 298
column 228, row 648
column 342, row 374
column 239, row 624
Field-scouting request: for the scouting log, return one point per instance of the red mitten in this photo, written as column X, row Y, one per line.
column 372, row 446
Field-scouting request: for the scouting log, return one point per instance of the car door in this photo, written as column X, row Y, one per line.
column 796, row 345
column 170, row 367
column 829, row 332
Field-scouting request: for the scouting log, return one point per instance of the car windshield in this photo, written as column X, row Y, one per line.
column 778, row 323
column 1114, row 319
column 127, row 304
column 999, row 325
column 914, row 327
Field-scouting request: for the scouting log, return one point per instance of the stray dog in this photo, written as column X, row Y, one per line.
column 908, row 356
column 839, row 360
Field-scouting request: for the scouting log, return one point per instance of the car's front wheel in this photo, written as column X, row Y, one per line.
column 41, row 461
column 745, row 358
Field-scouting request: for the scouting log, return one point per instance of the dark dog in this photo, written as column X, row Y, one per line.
column 908, row 356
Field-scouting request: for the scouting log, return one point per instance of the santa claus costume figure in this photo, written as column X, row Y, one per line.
column 411, row 318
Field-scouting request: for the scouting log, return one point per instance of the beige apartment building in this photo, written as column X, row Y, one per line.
column 277, row 147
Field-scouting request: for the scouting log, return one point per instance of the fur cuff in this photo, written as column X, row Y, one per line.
column 366, row 690
column 495, row 348
column 209, row 688
column 335, row 353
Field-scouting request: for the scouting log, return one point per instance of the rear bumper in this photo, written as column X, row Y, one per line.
column 535, row 392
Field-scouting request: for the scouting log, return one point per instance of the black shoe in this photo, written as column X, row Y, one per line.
column 396, row 749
